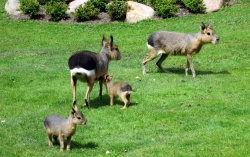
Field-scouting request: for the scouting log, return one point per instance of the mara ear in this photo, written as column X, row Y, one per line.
column 111, row 41
column 210, row 24
column 104, row 41
column 73, row 111
column 75, row 107
column 203, row 26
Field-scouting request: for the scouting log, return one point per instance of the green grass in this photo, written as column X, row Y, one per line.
column 35, row 82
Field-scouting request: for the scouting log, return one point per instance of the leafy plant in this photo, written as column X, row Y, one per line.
column 196, row 6
column 86, row 12
column 30, row 7
column 100, row 4
column 57, row 10
column 117, row 10
column 165, row 8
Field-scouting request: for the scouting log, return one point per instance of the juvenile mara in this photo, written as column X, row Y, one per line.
column 58, row 126
column 172, row 43
column 121, row 89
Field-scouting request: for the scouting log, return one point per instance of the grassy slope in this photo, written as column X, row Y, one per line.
column 34, row 80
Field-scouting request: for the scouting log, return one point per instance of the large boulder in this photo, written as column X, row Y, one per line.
column 213, row 5
column 138, row 12
column 12, row 7
column 74, row 4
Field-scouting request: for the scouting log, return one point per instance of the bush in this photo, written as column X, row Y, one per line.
column 100, row 4
column 117, row 10
column 86, row 12
column 165, row 8
column 196, row 6
column 146, row 2
column 57, row 10
column 30, row 7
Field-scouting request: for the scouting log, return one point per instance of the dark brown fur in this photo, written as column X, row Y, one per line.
column 89, row 67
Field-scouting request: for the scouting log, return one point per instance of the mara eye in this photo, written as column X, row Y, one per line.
column 78, row 117
column 208, row 33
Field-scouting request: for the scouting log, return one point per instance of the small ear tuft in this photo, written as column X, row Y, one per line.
column 104, row 40
column 210, row 24
column 203, row 26
column 75, row 107
column 73, row 111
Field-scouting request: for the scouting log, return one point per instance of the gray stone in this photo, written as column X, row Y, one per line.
column 138, row 12
column 213, row 5
column 12, row 7
column 74, row 4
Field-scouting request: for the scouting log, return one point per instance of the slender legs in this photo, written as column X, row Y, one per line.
column 190, row 64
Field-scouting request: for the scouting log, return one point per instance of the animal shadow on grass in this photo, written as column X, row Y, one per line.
column 198, row 72
column 105, row 101
column 89, row 145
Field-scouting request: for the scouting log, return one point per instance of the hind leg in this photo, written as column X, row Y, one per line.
column 50, row 140
column 159, row 62
column 73, row 85
column 125, row 100
column 152, row 55
column 89, row 89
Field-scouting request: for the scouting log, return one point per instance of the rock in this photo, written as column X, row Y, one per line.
column 12, row 7
column 213, row 5
column 74, row 4
column 138, row 12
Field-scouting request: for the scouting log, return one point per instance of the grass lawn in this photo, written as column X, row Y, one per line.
column 171, row 114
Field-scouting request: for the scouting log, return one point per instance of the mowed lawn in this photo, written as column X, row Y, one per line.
column 171, row 114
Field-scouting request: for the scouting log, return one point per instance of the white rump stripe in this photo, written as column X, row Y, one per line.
column 82, row 71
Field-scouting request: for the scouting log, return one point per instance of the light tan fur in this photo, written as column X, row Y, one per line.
column 172, row 43
column 115, row 89
column 61, row 128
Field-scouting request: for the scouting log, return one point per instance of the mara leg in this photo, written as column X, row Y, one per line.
column 111, row 100
column 61, row 142
column 100, row 92
column 125, row 100
column 50, row 140
column 73, row 85
column 152, row 55
column 187, row 67
column 189, row 58
column 68, row 142
column 89, row 89
column 159, row 62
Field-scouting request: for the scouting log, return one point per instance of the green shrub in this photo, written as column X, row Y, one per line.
column 100, row 4
column 117, row 10
column 30, row 7
column 57, row 10
column 86, row 12
column 146, row 2
column 165, row 8
column 196, row 6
